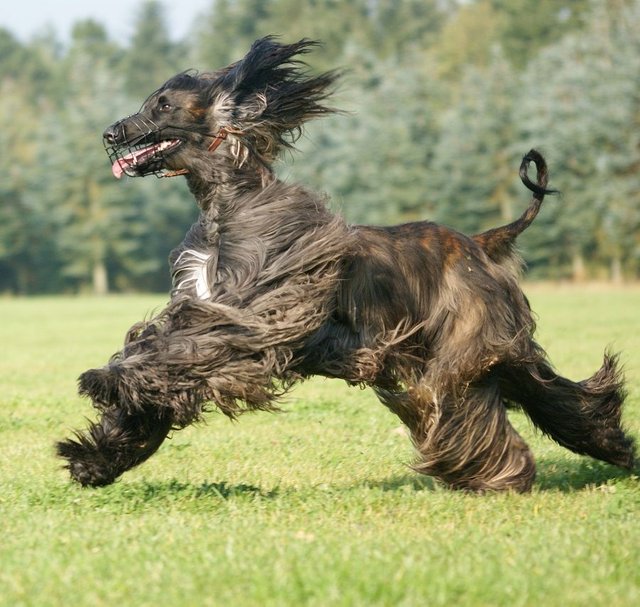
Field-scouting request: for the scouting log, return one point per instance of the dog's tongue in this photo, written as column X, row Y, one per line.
column 120, row 166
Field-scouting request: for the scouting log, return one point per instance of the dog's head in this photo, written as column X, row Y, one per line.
column 247, row 111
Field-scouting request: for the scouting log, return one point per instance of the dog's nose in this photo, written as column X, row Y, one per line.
column 110, row 134
column 115, row 133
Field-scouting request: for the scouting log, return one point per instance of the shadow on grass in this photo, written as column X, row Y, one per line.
column 405, row 482
column 553, row 474
column 558, row 474
column 179, row 491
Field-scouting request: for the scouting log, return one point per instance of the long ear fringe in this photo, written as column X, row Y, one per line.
column 270, row 88
column 295, row 102
column 256, row 69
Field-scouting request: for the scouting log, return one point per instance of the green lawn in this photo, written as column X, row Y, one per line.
column 314, row 506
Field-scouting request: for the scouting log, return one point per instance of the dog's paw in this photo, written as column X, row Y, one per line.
column 101, row 385
column 85, row 463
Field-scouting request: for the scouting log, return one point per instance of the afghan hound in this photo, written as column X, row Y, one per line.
column 270, row 287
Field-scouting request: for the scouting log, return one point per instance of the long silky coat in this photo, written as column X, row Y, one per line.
column 270, row 287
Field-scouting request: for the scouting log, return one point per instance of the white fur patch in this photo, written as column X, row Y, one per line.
column 222, row 109
column 191, row 273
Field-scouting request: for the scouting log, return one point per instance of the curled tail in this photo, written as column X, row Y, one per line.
column 498, row 243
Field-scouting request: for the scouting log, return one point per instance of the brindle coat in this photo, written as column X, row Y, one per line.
column 270, row 287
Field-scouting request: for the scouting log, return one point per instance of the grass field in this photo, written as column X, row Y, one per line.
column 314, row 506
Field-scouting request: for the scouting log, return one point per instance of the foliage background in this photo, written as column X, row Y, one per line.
column 443, row 97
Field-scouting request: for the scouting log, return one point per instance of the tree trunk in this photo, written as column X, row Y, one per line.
column 616, row 271
column 579, row 271
column 22, row 279
column 506, row 210
column 100, row 279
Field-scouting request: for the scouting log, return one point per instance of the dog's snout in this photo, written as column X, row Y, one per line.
column 115, row 133
column 110, row 134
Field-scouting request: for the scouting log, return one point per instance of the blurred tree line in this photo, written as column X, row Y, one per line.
column 442, row 99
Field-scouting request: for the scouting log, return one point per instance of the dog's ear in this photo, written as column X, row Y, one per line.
column 269, row 90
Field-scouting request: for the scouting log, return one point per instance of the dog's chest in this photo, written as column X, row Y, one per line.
column 191, row 273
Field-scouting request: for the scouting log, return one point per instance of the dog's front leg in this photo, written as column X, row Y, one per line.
column 118, row 441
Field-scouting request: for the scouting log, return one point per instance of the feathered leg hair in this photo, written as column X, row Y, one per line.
column 583, row 416
column 115, row 443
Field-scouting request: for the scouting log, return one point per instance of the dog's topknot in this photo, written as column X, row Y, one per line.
column 270, row 92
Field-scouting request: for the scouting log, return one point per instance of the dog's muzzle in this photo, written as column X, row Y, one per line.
column 141, row 155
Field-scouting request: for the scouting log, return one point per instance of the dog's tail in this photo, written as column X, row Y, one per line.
column 498, row 243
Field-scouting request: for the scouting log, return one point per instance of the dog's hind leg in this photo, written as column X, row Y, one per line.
column 466, row 440
column 405, row 404
column 115, row 443
column 584, row 416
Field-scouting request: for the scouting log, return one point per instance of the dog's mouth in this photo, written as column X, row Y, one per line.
column 141, row 159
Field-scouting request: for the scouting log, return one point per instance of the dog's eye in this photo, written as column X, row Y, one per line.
column 164, row 105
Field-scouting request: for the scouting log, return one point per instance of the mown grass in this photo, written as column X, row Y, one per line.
column 313, row 506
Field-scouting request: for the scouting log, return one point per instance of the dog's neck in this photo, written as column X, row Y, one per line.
column 222, row 182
